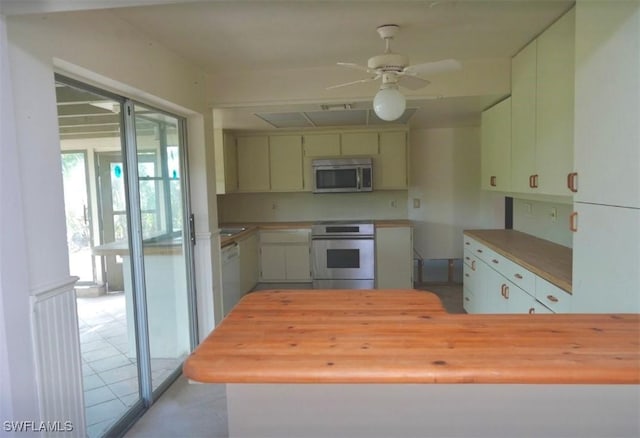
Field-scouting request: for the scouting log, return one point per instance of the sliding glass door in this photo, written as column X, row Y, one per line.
column 139, row 326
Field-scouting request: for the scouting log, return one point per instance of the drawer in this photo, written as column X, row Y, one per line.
column 285, row 236
column 468, row 257
column 521, row 277
column 552, row 296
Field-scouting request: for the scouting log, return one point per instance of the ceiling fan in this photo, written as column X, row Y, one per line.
column 394, row 70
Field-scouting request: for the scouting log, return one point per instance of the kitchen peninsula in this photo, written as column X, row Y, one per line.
column 394, row 363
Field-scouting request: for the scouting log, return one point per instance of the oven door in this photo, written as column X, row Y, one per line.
column 343, row 259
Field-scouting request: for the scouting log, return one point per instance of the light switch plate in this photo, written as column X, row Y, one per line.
column 416, row 202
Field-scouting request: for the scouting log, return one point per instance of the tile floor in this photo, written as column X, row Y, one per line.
column 109, row 373
column 198, row 410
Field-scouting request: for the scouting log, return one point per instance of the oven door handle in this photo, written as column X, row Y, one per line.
column 359, row 178
column 342, row 238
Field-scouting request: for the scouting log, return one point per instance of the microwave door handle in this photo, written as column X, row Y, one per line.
column 359, row 178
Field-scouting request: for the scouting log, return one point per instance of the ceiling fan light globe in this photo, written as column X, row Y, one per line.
column 389, row 104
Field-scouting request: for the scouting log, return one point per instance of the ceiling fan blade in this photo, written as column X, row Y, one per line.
column 358, row 67
column 430, row 68
column 361, row 81
column 412, row 82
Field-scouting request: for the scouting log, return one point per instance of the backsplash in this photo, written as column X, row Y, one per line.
column 280, row 207
column 536, row 218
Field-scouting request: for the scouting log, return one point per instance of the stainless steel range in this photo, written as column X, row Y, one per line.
column 342, row 255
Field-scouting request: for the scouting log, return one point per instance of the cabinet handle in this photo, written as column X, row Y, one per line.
column 479, row 250
column 467, row 299
column 466, row 275
column 535, row 181
column 571, row 182
column 492, row 181
column 467, row 258
column 573, row 221
column 495, row 261
column 552, row 298
column 467, row 243
column 530, row 181
column 518, row 276
column 506, row 291
column 532, row 311
column 473, row 265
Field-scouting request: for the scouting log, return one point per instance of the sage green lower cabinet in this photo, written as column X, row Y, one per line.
column 394, row 259
column 285, row 256
column 495, row 284
column 249, row 262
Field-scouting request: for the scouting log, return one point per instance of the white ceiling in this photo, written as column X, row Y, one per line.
column 283, row 54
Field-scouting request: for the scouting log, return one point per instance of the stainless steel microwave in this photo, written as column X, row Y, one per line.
column 341, row 175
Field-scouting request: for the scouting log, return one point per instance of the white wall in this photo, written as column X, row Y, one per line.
column 535, row 218
column 282, row 207
column 17, row 370
column 445, row 178
column 98, row 48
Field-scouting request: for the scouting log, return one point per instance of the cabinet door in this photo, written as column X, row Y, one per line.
column 298, row 266
column 518, row 301
column 321, row 145
column 394, row 258
column 359, row 143
column 554, row 104
column 606, row 260
column 495, row 301
column 253, row 163
column 272, row 263
column 607, row 112
column 230, row 163
column 390, row 166
column 496, row 147
column 317, row 146
column 249, row 262
column 523, row 118
column 285, row 161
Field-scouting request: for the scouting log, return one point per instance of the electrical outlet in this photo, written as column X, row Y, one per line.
column 416, row 202
column 554, row 214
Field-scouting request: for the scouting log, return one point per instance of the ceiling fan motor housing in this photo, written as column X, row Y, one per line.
column 388, row 62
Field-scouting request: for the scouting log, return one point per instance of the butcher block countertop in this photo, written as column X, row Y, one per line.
column 546, row 259
column 405, row 336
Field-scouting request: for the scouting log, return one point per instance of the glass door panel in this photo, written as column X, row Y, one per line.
column 90, row 127
column 165, row 243
column 78, row 217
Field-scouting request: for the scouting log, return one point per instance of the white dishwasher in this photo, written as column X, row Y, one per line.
column 231, row 291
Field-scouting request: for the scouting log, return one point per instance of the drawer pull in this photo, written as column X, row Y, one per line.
column 532, row 311
column 502, row 290
column 479, row 250
column 466, row 275
column 495, row 261
column 492, row 181
column 552, row 298
column 467, row 243
column 467, row 299
column 506, row 291
column 467, row 258
column 518, row 276
column 473, row 265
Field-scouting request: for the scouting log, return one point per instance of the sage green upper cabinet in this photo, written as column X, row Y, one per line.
column 321, row 145
column 390, row 166
column 360, row 143
column 226, row 162
column 542, row 85
column 253, row 163
column 317, row 146
column 523, row 118
column 285, row 163
column 496, row 147
column 554, row 106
